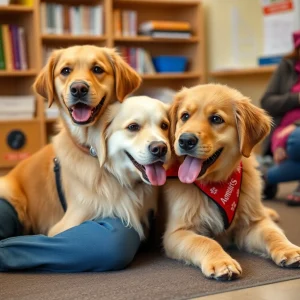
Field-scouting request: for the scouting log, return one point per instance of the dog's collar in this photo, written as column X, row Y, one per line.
column 87, row 149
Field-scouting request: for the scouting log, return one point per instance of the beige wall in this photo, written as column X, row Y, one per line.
column 220, row 51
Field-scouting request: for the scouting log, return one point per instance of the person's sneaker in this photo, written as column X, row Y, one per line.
column 269, row 190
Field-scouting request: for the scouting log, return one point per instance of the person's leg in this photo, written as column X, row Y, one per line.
column 101, row 245
column 293, row 145
column 289, row 169
column 293, row 153
column 9, row 223
column 286, row 171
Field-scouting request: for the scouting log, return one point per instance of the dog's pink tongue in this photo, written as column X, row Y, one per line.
column 81, row 112
column 189, row 170
column 156, row 173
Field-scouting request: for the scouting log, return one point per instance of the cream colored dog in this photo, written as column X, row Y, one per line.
column 214, row 129
column 132, row 145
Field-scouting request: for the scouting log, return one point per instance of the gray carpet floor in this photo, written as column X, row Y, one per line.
column 152, row 276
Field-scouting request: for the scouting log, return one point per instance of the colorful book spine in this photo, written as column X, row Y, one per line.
column 23, row 52
column 2, row 58
column 7, row 43
column 15, row 46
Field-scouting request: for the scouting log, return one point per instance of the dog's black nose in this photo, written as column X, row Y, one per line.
column 79, row 89
column 158, row 149
column 187, row 141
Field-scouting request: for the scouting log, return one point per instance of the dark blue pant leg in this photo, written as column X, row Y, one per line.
column 9, row 222
column 100, row 245
column 289, row 169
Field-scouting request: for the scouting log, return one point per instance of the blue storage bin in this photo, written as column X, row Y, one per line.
column 170, row 63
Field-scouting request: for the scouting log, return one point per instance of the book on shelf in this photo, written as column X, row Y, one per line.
column 17, row 107
column 166, row 29
column 125, row 22
column 138, row 58
column 76, row 20
column 13, row 51
column 165, row 26
column 169, row 34
column 5, row 2
column 51, row 112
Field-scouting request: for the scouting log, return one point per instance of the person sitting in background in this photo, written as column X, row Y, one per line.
column 282, row 101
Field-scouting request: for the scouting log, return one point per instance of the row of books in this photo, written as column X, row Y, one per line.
column 13, row 53
column 17, row 107
column 138, row 58
column 75, row 20
column 125, row 22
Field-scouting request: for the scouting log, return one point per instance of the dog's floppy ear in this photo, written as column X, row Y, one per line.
column 127, row 79
column 106, row 121
column 44, row 83
column 173, row 111
column 253, row 125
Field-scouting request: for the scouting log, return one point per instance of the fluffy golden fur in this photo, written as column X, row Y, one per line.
column 30, row 187
column 220, row 117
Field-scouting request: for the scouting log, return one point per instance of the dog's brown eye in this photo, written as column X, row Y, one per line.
column 97, row 70
column 164, row 126
column 133, row 127
column 185, row 117
column 65, row 71
column 216, row 119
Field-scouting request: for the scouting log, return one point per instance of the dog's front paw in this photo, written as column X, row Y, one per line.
column 223, row 268
column 288, row 257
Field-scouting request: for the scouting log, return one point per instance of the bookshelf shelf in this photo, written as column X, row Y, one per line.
column 148, row 39
column 15, row 8
column 73, row 38
column 18, row 73
column 21, row 121
column 245, row 72
column 159, row 2
column 167, row 76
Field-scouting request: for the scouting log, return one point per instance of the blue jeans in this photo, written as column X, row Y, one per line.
column 99, row 245
column 289, row 169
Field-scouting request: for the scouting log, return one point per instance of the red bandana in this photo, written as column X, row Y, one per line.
column 224, row 194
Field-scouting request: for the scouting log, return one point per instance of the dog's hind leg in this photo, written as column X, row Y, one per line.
column 265, row 237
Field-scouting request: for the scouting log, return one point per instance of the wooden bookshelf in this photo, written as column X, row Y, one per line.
column 18, row 73
column 148, row 39
column 161, row 76
column 244, row 72
column 15, row 8
column 20, row 82
column 72, row 38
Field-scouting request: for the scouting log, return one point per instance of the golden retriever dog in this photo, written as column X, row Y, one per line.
column 83, row 81
column 215, row 129
column 131, row 145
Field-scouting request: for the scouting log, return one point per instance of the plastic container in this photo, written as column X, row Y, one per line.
column 170, row 63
